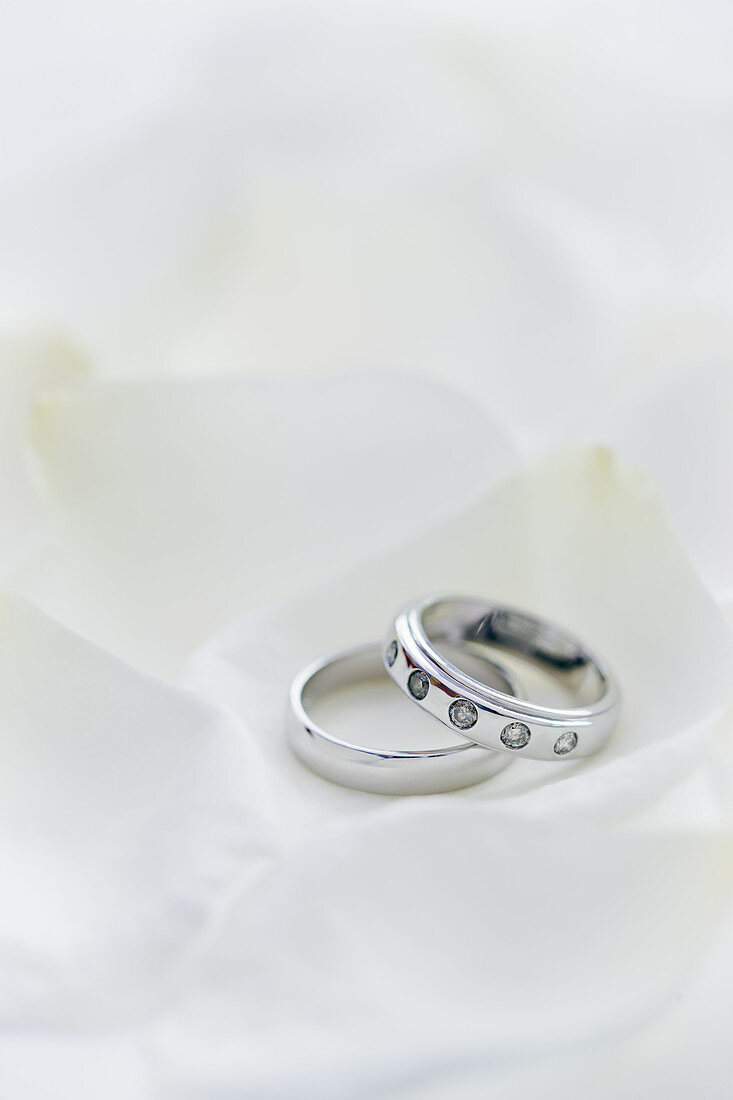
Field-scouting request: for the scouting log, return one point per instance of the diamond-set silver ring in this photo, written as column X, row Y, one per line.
column 490, row 717
column 490, row 714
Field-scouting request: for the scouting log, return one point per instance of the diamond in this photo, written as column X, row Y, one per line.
column 565, row 743
column 463, row 714
column 515, row 736
column 391, row 653
column 418, row 684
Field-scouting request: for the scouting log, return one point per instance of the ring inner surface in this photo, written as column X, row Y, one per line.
column 354, row 700
column 473, row 626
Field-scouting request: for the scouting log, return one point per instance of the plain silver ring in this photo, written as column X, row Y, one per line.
column 380, row 771
column 492, row 718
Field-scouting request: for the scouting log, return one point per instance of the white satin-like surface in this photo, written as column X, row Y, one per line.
column 326, row 311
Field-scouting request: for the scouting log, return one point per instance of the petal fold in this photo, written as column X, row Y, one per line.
column 127, row 807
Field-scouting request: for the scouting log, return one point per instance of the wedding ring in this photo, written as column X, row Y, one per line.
column 382, row 771
column 479, row 711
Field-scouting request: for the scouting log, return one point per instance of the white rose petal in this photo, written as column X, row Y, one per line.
column 128, row 808
column 176, row 505
column 317, row 193
column 29, row 365
column 678, row 427
column 82, row 1064
column 428, row 937
column 683, row 1051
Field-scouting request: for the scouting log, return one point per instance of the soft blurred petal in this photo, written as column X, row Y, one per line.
column 527, row 200
column 424, row 938
column 73, row 1065
column 174, row 506
column 29, row 365
column 128, row 808
column 679, row 428
column 683, row 1051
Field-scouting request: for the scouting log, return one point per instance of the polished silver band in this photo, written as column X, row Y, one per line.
column 479, row 711
column 382, row 771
